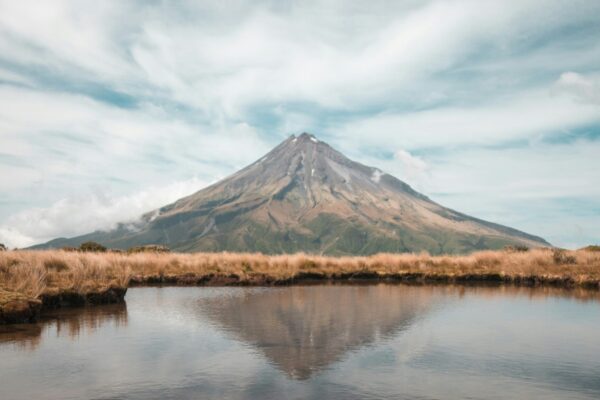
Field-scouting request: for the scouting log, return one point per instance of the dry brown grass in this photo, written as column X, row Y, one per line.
column 34, row 273
column 37, row 272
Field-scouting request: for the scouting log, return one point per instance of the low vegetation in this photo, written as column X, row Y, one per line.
column 92, row 246
column 517, row 248
column 55, row 275
column 95, row 247
column 149, row 248
column 31, row 279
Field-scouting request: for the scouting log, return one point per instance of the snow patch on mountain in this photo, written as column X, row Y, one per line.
column 376, row 177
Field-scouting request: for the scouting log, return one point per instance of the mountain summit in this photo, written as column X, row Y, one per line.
column 306, row 196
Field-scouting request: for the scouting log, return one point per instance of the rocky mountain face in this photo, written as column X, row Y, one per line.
column 306, row 196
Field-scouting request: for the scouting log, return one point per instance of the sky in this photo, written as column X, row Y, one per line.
column 109, row 109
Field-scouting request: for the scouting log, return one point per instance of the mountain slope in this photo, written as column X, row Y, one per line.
column 306, row 196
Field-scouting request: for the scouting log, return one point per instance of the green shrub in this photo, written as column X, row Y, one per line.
column 516, row 248
column 3, row 247
column 592, row 247
column 309, row 264
column 246, row 267
column 92, row 247
column 149, row 248
column 69, row 248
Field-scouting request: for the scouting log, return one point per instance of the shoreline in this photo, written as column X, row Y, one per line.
column 23, row 310
column 34, row 281
column 27, row 310
column 362, row 277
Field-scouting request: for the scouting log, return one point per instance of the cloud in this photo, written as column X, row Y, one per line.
column 414, row 169
column 119, row 97
column 224, row 63
column 481, row 124
column 582, row 88
column 79, row 215
column 329, row 55
column 78, row 142
column 537, row 188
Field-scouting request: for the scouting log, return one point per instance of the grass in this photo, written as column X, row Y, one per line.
column 40, row 272
column 32, row 276
column 35, row 273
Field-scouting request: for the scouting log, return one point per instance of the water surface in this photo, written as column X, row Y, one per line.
column 343, row 342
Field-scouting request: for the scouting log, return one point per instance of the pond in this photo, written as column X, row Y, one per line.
column 315, row 342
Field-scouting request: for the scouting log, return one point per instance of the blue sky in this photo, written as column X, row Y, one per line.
column 110, row 109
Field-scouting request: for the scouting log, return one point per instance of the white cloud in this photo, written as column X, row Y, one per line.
column 414, row 169
column 583, row 88
column 13, row 238
column 84, row 214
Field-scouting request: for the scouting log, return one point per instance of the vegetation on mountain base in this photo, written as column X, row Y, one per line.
column 91, row 246
column 95, row 247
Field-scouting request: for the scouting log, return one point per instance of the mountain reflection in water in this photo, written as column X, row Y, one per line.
column 312, row 342
column 303, row 329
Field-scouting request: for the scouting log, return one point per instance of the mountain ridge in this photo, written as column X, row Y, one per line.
column 306, row 196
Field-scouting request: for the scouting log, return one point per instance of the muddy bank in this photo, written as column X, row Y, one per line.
column 366, row 276
column 17, row 308
column 74, row 299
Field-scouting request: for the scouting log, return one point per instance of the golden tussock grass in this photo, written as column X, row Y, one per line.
column 34, row 273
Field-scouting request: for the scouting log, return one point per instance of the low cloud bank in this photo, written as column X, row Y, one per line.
column 79, row 215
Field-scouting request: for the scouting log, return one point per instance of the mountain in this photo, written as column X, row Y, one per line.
column 306, row 196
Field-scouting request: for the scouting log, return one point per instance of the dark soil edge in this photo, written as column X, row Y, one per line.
column 30, row 310
column 20, row 312
column 360, row 277
column 73, row 299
